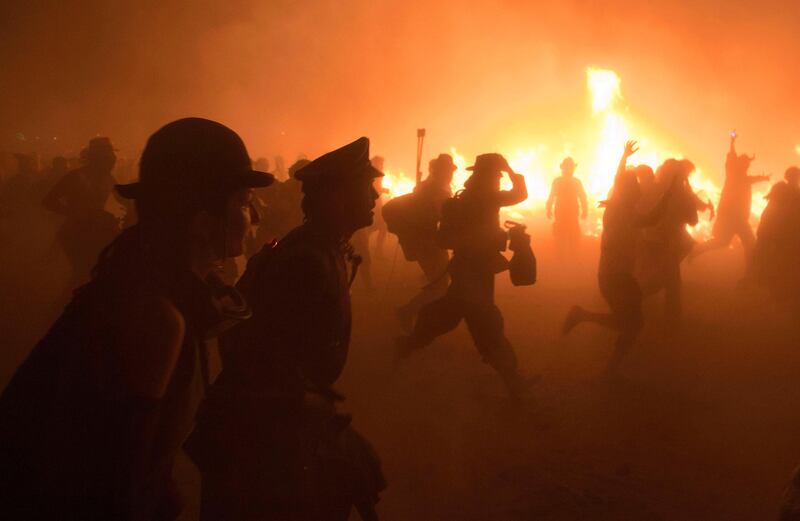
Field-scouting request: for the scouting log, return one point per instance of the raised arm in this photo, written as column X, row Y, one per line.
column 753, row 179
column 518, row 192
column 630, row 149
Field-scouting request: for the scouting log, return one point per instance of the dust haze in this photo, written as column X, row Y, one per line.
column 703, row 423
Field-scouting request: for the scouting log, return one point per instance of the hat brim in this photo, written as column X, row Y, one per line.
column 498, row 173
column 246, row 179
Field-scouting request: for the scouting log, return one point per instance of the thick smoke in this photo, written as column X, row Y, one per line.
column 298, row 77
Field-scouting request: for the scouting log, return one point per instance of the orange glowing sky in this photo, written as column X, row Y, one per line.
column 302, row 77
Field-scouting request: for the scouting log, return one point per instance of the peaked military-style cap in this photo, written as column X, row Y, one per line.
column 349, row 161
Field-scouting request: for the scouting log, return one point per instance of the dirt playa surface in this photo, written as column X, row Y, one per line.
column 701, row 423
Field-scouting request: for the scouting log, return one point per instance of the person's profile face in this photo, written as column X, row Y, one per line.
column 239, row 216
column 357, row 202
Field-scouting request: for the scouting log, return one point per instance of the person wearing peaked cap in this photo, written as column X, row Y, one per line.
column 470, row 226
column 349, row 161
column 98, row 412
column 257, row 458
column 569, row 198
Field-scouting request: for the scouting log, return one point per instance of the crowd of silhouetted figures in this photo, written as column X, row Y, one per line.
column 94, row 417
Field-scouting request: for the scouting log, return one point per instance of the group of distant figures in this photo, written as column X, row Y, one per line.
column 95, row 416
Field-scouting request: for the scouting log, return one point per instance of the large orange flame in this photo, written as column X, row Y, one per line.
column 607, row 128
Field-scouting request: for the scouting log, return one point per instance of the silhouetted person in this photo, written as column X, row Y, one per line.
column 18, row 188
column 778, row 245
column 733, row 215
column 622, row 225
column 93, row 419
column 569, row 199
column 418, row 234
column 666, row 243
column 269, row 443
column 470, row 227
column 80, row 197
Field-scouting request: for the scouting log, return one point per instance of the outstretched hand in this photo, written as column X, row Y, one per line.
column 631, row 147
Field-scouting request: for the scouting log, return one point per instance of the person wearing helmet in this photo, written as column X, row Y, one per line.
column 95, row 416
column 269, row 441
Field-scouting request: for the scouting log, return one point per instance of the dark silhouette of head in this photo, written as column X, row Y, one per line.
column 297, row 165
column 486, row 173
column 192, row 175
column 627, row 191
column 100, row 154
column 644, row 174
column 792, row 176
column 377, row 162
column 442, row 168
column 261, row 164
column 741, row 164
column 568, row 166
column 338, row 188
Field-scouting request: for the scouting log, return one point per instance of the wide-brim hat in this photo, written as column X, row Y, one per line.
column 488, row 164
column 568, row 162
column 101, row 144
column 444, row 162
column 194, row 156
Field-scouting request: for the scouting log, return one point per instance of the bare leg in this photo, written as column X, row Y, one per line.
column 578, row 315
column 711, row 244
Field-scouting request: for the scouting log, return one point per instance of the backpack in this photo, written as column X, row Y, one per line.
column 407, row 217
column 454, row 222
